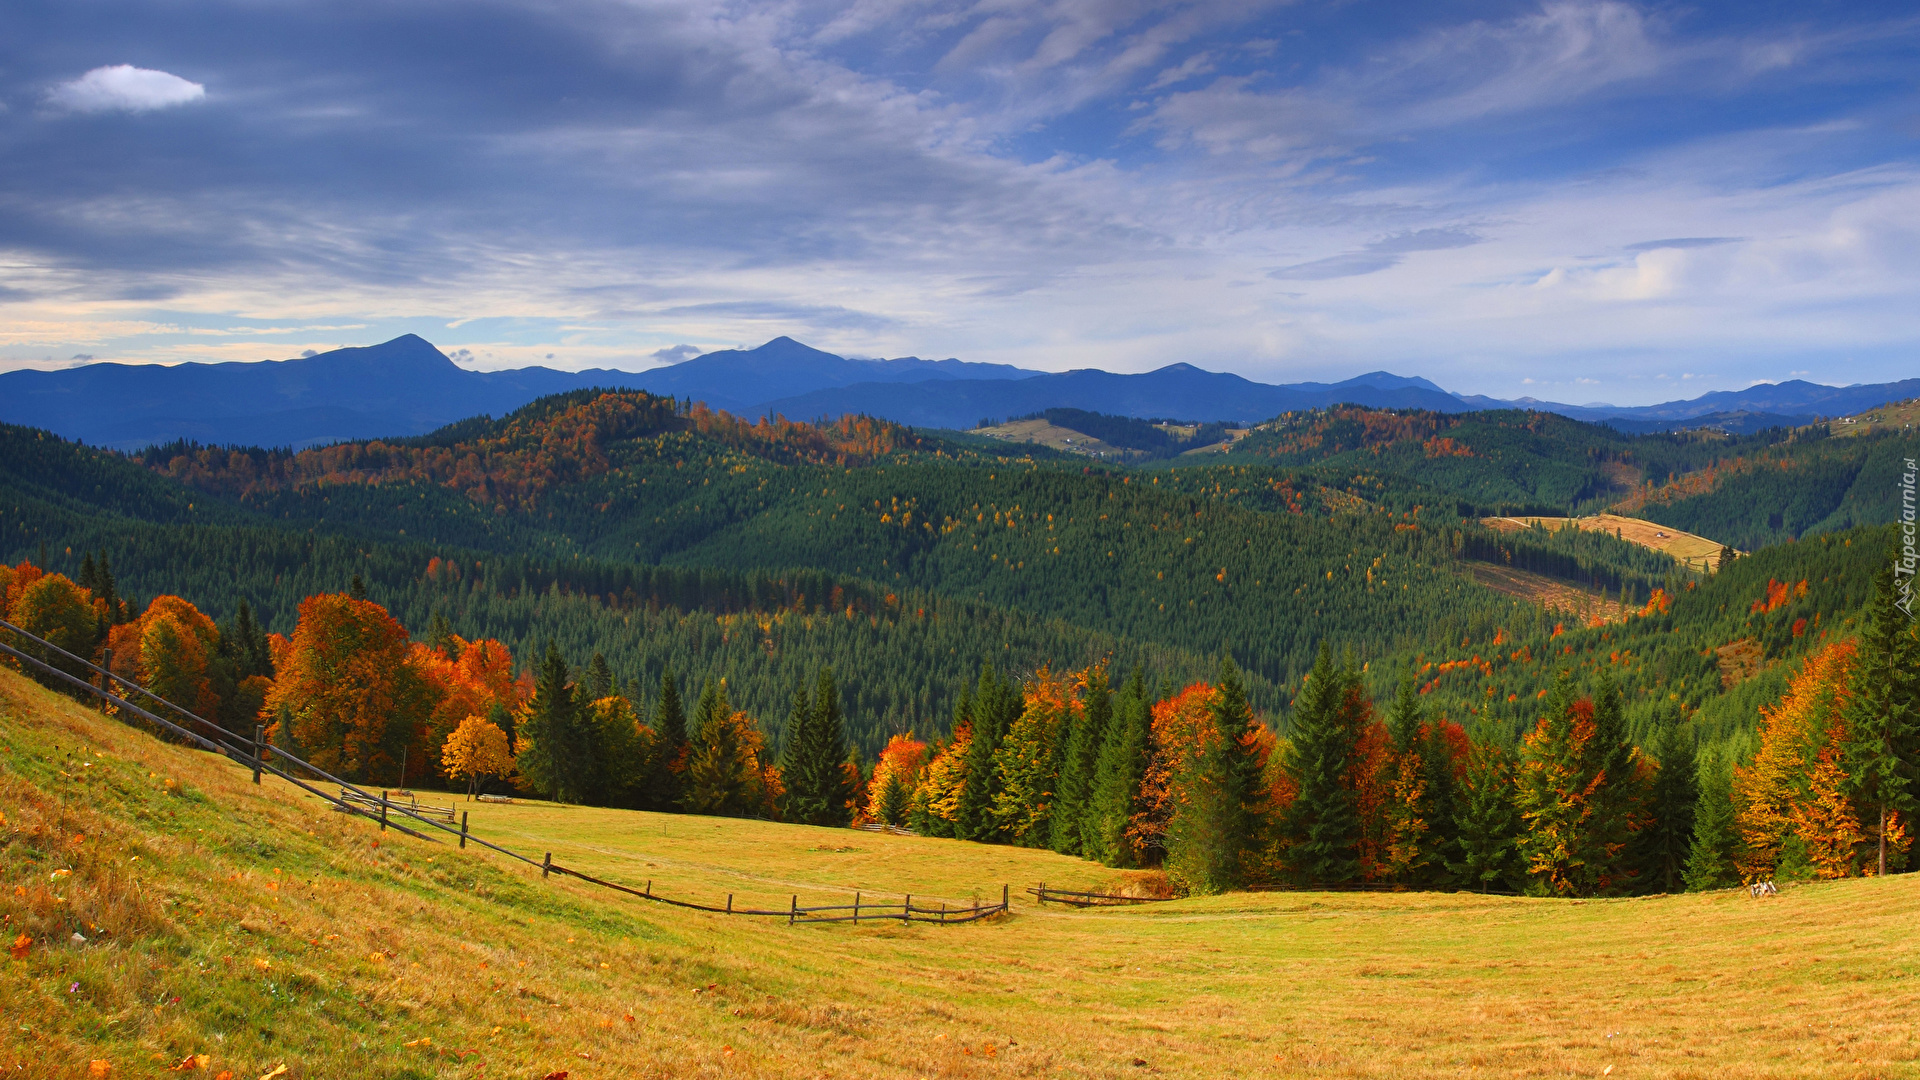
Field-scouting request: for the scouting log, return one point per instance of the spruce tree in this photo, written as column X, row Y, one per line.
column 1579, row 794
column 1117, row 775
column 669, row 747
column 996, row 704
column 561, row 760
column 1665, row 844
column 1409, row 854
column 1323, row 822
column 1713, row 856
column 891, row 806
column 1441, row 807
column 1882, row 751
column 716, row 780
column 1487, row 824
column 1079, row 763
column 1217, row 823
column 357, row 588
column 599, row 678
column 815, row 761
column 440, row 634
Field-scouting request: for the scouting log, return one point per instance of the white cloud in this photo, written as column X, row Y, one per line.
column 124, row 88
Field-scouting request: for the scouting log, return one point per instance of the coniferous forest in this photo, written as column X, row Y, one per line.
column 1272, row 666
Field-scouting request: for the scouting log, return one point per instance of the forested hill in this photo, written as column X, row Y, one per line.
column 673, row 537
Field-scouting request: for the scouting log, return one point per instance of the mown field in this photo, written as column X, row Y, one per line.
column 255, row 927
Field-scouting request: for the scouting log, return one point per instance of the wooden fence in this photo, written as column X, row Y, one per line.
column 262, row 757
column 1090, row 899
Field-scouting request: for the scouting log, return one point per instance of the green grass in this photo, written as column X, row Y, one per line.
column 186, row 890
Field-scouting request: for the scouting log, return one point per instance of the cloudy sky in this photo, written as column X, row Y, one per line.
column 1578, row 200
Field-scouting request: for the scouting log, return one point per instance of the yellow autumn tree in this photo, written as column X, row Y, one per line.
column 475, row 751
column 1790, row 812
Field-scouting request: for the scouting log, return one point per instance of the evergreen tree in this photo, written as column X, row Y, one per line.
column 891, row 806
column 717, row 779
column 995, row 706
column 1713, row 857
column 440, row 633
column 1323, row 822
column 1487, row 824
column 558, row 754
column 1442, row 806
column 599, row 678
column 1882, row 751
column 1080, row 762
column 1579, row 794
column 816, row 754
column 357, row 588
column 668, row 754
column 1216, row 823
column 1666, row 842
column 1117, row 775
column 1408, row 852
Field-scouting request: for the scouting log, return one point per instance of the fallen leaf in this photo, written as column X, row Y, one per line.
column 629, row 1018
column 726, row 1051
column 225, row 1074
column 262, row 964
column 192, row 1062
column 561, row 1075
column 1608, row 1071
column 278, row 1071
column 424, row 1040
column 20, row 946
column 98, row 1067
column 378, row 958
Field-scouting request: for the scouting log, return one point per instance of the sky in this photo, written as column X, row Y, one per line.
column 1576, row 200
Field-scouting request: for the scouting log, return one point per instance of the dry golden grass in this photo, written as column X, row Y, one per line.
column 1560, row 597
column 1694, row 552
column 251, row 925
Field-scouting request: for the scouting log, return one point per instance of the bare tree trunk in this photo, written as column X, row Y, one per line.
column 1883, row 839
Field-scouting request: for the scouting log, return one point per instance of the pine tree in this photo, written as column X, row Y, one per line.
column 1667, row 841
column 891, row 806
column 816, row 752
column 1323, row 822
column 440, row 633
column 1081, row 760
column 668, row 754
column 1117, row 774
column 1713, row 856
column 1487, row 824
column 357, row 588
column 1215, row 822
column 1882, row 750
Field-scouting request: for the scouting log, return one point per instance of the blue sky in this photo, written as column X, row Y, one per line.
column 1573, row 200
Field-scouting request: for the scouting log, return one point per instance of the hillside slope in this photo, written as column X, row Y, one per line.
column 249, row 925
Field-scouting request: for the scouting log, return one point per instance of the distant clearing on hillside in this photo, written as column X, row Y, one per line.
column 1693, row 552
column 1893, row 416
column 1582, row 605
column 1059, row 438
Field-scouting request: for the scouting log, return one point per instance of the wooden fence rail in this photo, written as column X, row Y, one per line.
column 1090, row 899
column 262, row 757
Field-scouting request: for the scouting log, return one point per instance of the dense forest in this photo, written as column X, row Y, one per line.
column 623, row 551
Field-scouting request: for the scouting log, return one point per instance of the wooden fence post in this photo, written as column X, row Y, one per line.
column 856, row 906
column 463, row 830
column 106, row 674
column 1003, row 900
column 383, row 811
column 729, row 903
column 259, row 735
column 794, row 913
column 906, row 909
column 649, row 888
column 546, row 865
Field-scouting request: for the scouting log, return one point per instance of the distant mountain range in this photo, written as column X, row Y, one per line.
column 408, row 387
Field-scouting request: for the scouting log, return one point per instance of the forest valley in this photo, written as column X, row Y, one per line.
column 1268, row 669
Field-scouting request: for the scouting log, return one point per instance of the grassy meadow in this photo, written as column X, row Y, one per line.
column 255, row 927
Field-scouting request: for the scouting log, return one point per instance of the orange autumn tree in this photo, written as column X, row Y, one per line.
column 895, row 776
column 51, row 607
column 1182, row 727
column 468, row 678
column 1790, row 806
column 347, row 695
column 935, row 805
column 169, row 649
column 1219, row 804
